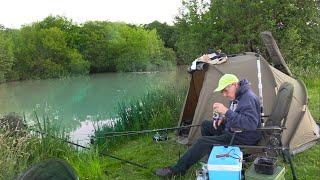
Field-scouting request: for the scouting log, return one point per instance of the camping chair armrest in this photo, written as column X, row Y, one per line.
column 237, row 130
column 265, row 116
column 266, row 128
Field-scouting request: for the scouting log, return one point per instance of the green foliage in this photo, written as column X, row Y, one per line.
column 120, row 47
column 6, row 55
column 234, row 26
column 93, row 43
column 78, row 65
column 134, row 51
column 167, row 33
column 56, row 47
column 44, row 53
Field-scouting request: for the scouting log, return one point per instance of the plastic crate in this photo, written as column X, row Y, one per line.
column 251, row 174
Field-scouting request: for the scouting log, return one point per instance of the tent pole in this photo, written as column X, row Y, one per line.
column 260, row 86
column 287, row 157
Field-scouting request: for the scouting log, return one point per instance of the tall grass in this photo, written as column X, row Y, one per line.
column 159, row 108
column 14, row 154
column 311, row 77
column 18, row 151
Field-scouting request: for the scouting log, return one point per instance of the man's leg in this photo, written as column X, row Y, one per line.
column 200, row 148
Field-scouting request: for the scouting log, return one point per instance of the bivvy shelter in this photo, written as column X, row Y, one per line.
column 301, row 131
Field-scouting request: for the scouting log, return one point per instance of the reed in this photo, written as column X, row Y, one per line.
column 159, row 108
column 21, row 149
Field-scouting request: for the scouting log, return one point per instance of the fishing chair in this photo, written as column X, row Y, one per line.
column 271, row 142
column 276, row 121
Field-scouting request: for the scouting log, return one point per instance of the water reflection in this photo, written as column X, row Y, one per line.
column 82, row 134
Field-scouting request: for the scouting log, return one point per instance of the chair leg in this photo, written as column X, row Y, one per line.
column 287, row 157
column 284, row 157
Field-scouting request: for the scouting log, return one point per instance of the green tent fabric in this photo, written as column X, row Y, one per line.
column 51, row 169
column 301, row 130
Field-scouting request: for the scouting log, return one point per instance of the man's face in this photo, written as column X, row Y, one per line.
column 230, row 91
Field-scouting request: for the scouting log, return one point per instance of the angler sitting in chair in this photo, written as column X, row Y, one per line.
column 243, row 113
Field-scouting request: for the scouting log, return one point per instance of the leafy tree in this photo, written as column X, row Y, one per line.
column 234, row 26
column 120, row 47
column 57, row 47
column 167, row 33
column 93, row 44
column 66, row 25
column 6, row 55
column 43, row 53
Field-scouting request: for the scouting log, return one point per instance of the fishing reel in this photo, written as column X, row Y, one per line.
column 203, row 173
column 216, row 116
column 160, row 136
column 275, row 140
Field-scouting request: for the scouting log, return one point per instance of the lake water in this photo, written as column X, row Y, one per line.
column 80, row 104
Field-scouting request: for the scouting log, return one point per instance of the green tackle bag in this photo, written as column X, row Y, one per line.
column 51, row 169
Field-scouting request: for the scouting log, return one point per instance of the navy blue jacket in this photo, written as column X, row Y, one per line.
column 246, row 115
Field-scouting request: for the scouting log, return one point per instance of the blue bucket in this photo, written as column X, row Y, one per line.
column 225, row 163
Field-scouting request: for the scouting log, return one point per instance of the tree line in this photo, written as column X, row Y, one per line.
column 57, row 47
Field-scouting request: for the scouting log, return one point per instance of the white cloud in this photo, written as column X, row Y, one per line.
column 14, row 13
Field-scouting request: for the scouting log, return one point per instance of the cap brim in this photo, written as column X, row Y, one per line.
column 219, row 88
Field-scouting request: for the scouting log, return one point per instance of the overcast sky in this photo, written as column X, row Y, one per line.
column 14, row 13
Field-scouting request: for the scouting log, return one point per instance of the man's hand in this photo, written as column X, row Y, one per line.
column 216, row 124
column 220, row 108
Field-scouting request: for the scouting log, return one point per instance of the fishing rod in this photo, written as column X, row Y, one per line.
column 85, row 147
column 128, row 133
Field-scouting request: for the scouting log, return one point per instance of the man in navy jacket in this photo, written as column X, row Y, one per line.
column 243, row 113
